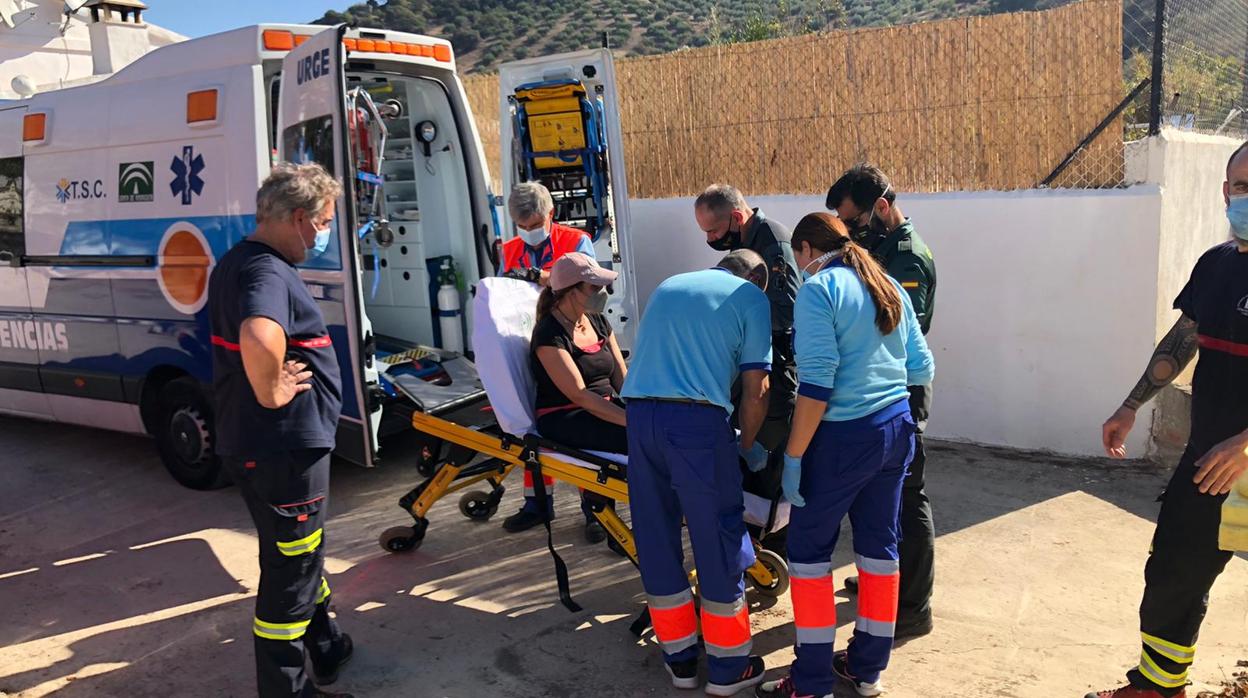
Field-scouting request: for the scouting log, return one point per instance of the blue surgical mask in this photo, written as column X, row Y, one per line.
column 321, row 243
column 1237, row 214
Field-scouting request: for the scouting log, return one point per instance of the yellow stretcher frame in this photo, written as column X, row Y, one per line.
column 769, row 574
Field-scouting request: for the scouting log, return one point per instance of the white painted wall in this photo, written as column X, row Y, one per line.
column 1044, row 313
column 37, row 48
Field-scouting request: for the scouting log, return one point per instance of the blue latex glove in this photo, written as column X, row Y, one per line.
column 791, row 480
column 755, row 457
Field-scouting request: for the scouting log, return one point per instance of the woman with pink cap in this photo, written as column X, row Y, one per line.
column 579, row 370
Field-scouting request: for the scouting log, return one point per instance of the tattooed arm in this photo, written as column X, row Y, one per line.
column 1175, row 351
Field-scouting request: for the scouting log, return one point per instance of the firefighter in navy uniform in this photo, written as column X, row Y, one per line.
column 865, row 199
column 278, row 394
column 1185, row 559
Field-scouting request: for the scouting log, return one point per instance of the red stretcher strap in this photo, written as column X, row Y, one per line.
column 1207, row 342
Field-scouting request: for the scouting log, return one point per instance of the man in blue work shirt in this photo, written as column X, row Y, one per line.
column 278, row 394
column 700, row 330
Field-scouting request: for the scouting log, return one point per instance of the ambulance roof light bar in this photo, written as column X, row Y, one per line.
column 283, row 40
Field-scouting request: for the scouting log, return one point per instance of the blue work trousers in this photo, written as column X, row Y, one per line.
column 683, row 463
column 855, row 468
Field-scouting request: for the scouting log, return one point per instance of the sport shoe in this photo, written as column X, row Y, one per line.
column 752, row 676
column 782, row 688
column 522, row 520
column 326, row 675
column 684, row 674
column 840, row 667
column 1133, row 692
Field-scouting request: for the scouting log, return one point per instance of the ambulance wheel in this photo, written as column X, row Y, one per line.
column 779, row 570
column 478, row 505
column 184, row 436
column 400, row 539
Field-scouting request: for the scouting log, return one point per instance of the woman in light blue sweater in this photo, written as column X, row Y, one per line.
column 858, row 345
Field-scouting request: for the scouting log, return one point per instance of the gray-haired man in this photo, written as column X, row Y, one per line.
column 730, row 224
column 278, row 393
column 540, row 240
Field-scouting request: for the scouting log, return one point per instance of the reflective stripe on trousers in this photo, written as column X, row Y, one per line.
column 726, row 628
column 301, row 546
column 674, row 620
column 878, row 584
column 814, row 602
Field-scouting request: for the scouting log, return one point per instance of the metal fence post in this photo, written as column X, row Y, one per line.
column 1159, row 54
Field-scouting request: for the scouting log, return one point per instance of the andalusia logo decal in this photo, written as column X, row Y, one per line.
column 62, row 190
column 135, row 182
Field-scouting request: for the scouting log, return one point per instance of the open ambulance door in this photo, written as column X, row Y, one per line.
column 560, row 125
column 312, row 128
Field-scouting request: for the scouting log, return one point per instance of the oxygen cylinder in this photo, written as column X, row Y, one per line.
column 1233, row 533
column 448, row 310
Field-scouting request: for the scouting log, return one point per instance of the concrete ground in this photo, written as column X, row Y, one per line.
column 115, row 581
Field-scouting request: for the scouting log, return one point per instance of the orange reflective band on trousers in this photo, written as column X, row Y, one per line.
column 528, row 484
column 674, row 620
column 814, row 602
column 726, row 628
column 878, row 584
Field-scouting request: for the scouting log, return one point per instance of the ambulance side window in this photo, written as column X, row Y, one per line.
column 311, row 141
column 12, row 232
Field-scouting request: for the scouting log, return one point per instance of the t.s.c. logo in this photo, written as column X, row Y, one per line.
column 79, row 189
column 313, row 67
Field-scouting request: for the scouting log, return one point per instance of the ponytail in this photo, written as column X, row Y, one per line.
column 827, row 233
column 883, row 292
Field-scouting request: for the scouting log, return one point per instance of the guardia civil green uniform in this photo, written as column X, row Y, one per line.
column 908, row 259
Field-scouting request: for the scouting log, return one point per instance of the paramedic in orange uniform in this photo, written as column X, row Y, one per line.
column 529, row 257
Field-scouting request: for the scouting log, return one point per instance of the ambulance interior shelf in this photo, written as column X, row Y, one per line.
column 427, row 209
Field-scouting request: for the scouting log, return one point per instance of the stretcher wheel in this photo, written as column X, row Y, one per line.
column 401, row 539
column 779, row 570
column 478, row 505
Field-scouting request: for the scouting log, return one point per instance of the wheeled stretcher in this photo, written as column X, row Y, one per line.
column 480, row 441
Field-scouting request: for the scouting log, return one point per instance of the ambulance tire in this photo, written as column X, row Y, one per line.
column 184, row 436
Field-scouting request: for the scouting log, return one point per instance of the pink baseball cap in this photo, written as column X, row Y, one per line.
column 574, row 267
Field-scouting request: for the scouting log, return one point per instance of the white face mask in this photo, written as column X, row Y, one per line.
column 817, row 263
column 534, row 237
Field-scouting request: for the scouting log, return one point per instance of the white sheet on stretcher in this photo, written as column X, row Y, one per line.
column 504, row 313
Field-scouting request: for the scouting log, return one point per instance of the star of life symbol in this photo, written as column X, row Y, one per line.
column 1243, row 306
column 186, row 171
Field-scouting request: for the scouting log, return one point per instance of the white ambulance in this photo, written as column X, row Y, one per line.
column 116, row 198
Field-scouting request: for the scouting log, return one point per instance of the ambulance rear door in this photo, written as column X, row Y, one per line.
column 595, row 70
column 312, row 128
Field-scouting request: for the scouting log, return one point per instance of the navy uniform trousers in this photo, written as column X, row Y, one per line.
column 286, row 493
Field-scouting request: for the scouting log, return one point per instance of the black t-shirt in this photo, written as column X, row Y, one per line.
column 596, row 363
column 1216, row 297
column 253, row 280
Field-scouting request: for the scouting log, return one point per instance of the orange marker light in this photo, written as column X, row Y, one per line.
column 442, row 52
column 34, row 127
column 426, row 50
column 277, row 40
column 381, row 46
column 300, row 38
column 201, row 106
column 351, row 44
column 366, row 45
